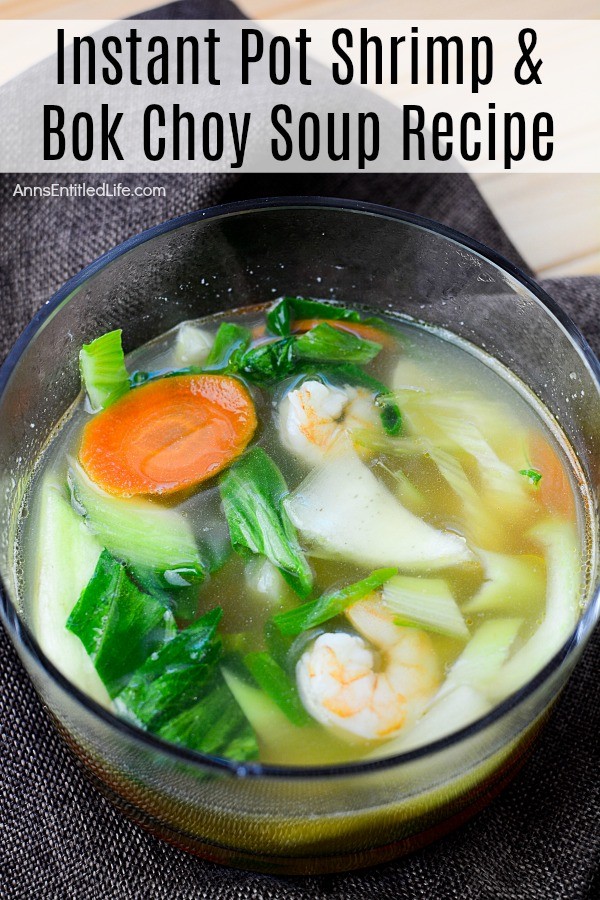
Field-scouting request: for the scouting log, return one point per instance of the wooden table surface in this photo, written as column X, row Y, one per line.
column 554, row 220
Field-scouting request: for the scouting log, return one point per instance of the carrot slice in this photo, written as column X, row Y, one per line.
column 168, row 435
column 554, row 488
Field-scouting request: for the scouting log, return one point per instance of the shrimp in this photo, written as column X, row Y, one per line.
column 364, row 692
column 316, row 416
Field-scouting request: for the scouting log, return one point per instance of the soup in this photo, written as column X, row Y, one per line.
column 302, row 534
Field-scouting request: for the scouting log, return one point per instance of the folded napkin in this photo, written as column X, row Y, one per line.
column 59, row 838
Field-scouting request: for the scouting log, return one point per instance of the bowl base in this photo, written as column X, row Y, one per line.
column 474, row 803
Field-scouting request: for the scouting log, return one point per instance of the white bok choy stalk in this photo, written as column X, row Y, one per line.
column 277, row 736
column 459, row 708
column 342, row 511
column 563, row 592
column 510, row 582
column 483, row 657
column 426, row 602
column 67, row 554
column 143, row 534
column 464, row 422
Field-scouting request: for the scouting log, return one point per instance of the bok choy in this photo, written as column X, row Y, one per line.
column 229, row 345
column 277, row 685
column 145, row 535
column 173, row 677
column 192, row 345
column 323, row 342
column 558, row 539
column 483, row 657
column 426, row 602
column 103, row 372
column 285, row 311
column 510, row 582
column 331, row 604
column 118, row 625
column 67, row 556
column 342, row 511
column 252, row 492
column 215, row 725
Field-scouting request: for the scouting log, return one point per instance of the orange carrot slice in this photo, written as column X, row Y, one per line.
column 554, row 488
column 168, row 435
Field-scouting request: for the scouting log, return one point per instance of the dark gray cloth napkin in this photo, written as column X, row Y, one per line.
column 61, row 839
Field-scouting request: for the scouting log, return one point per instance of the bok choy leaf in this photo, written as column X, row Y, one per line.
column 331, row 604
column 173, row 677
column 103, row 372
column 286, row 310
column 252, row 492
column 118, row 624
column 231, row 341
column 269, row 363
column 277, row 685
column 323, row 342
column 215, row 725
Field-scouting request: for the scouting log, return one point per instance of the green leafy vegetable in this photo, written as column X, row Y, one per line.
column 532, row 475
column 285, row 311
column 269, row 363
column 277, row 685
column 391, row 417
column 230, row 343
column 103, row 372
column 278, row 645
column 174, row 677
column 142, row 534
column 252, row 491
column 118, row 625
column 426, row 602
column 331, row 604
column 215, row 725
column 323, row 342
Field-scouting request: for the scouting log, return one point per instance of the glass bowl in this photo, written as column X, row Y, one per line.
column 276, row 818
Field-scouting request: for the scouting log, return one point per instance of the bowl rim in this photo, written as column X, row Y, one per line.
column 24, row 638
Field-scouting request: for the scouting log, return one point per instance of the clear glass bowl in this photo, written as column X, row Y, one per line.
column 273, row 818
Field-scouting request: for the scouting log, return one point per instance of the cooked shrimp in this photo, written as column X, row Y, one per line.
column 316, row 416
column 369, row 693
